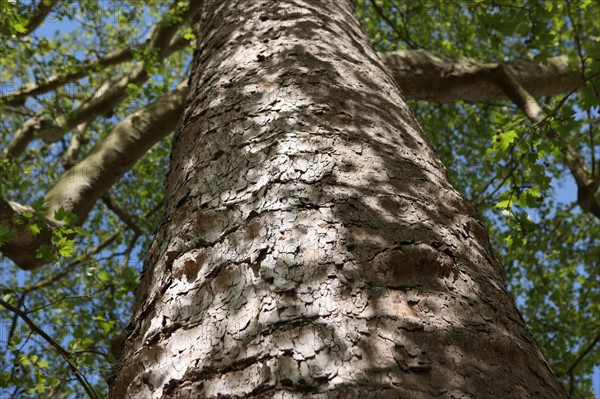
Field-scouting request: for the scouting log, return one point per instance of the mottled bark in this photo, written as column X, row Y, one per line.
column 80, row 195
column 311, row 244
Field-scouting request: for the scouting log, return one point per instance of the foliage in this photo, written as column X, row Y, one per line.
column 510, row 170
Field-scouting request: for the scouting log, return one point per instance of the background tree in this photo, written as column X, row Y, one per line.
column 66, row 99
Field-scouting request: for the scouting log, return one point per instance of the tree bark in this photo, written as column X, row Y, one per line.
column 311, row 244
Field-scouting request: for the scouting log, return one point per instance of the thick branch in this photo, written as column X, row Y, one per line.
column 587, row 184
column 422, row 75
column 78, row 189
column 430, row 76
column 104, row 100
column 80, row 261
column 23, row 244
column 40, row 13
column 78, row 139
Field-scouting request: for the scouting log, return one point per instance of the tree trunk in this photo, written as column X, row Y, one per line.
column 311, row 245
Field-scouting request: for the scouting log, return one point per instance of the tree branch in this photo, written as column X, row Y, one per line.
column 55, row 81
column 81, row 186
column 108, row 96
column 78, row 138
column 78, row 189
column 61, row 351
column 582, row 354
column 587, row 184
column 81, row 261
column 430, row 76
column 23, row 245
column 121, row 214
column 393, row 25
column 111, row 93
column 421, row 74
column 40, row 13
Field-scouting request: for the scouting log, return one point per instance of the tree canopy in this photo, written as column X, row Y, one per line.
column 508, row 93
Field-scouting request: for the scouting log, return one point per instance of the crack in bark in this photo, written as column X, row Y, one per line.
column 209, row 371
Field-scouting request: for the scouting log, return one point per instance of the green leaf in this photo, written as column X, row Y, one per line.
column 507, row 202
column 529, row 198
column 130, row 275
column 45, row 252
column 504, row 140
column 504, row 204
column 65, row 247
column 104, row 276
column 65, row 216
column 107, row 326
column 4, row 379
column 34, row 229
column 23, row 360
column 40, row 205
column 19, row 27
column 79, row 332
column 80, row 231
column 6, row 234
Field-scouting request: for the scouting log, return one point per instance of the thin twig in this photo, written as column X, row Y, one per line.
column 59, row 349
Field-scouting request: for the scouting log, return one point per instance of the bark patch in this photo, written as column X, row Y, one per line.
column 410, row 265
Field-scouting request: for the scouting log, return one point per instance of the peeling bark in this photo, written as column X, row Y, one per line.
column 311, row 244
